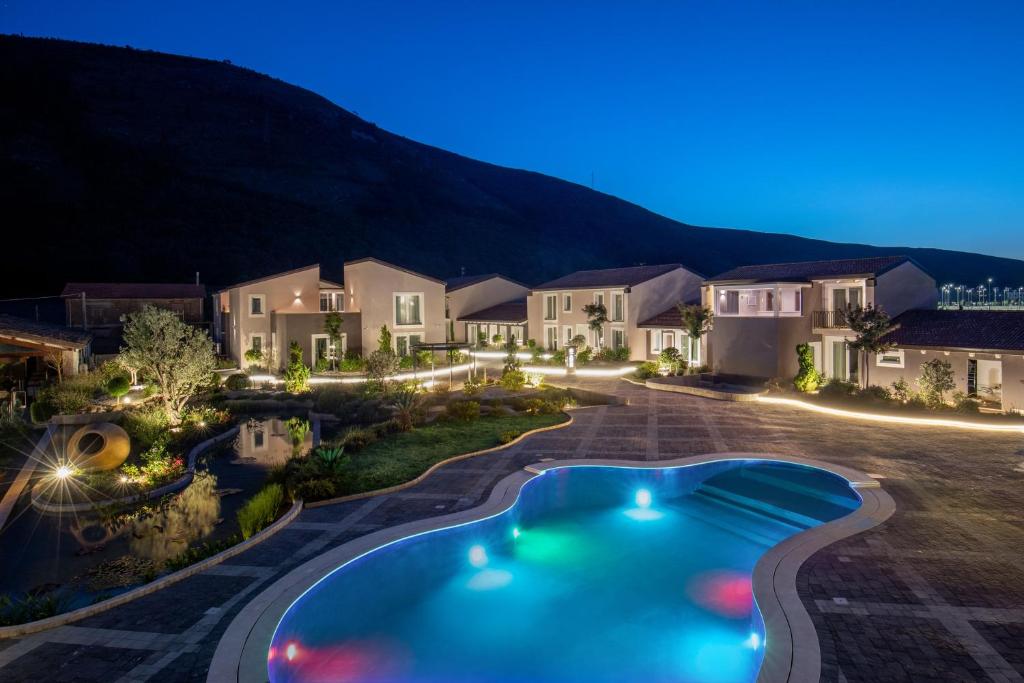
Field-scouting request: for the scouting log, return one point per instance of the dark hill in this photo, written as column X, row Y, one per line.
column 121, row 164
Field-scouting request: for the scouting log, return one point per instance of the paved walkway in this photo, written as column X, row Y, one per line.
column 936, row 593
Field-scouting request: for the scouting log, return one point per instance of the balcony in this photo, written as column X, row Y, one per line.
column 828, row 320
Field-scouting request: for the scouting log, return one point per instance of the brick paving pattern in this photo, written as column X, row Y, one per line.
column 936, row 593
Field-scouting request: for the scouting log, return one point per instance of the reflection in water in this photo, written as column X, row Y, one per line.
column 273, row 441
column 189, row 516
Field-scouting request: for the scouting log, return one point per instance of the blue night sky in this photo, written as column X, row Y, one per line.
column 850, row 121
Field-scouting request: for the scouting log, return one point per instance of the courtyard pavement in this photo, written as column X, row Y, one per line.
column 935, row 593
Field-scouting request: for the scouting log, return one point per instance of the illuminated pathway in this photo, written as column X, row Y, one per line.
column 936, row 592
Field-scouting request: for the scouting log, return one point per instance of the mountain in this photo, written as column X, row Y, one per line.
column 131, row 165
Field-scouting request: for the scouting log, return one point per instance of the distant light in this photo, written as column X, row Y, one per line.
column 63, row 472
column 127, row 400
column 202, row 423
column 291, row 651
column 515, row 532
column 124, row 479
column 643, row 498
column 753, row 642
column 478, row 556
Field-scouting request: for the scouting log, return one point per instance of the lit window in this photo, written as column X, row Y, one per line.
column 407, row 309
column 550, row 307
column 325, row 301
column 618, row 339
column 890, row 359
column 618, row 304
column 567, row 302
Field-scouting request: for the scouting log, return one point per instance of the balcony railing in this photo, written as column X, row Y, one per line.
column 829, row 320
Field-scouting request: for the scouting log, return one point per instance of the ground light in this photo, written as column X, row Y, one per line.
column 63, row 472
column 478, row 556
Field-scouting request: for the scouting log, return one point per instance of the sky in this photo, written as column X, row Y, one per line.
column 891, row 123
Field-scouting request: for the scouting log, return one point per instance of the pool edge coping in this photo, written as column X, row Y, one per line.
column 795, row 656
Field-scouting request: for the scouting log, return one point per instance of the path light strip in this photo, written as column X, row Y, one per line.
column 401, row 377
column 893, row 419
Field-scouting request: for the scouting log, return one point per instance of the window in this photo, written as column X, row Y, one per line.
column 599, row 298
column 325, row 302
column 791, row 300
column 551, row 337
column 257, row 304
column 408, row 309
column 618, row 306
column 567, row 303
column 750, row 303
column 890, row 359
column 566, row 335
column 550, row 307
column 516, row 332
column 655, row 341
column 256, row 343
column 618, row 338
column 846, row 297
column 404, row 343
column 259, row 438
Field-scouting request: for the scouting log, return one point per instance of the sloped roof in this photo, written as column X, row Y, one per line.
column 42, row 333
column 804, row 271
column 454, row 283
column 981, row 330
column 134, row 290
column 667, row 318
column 609, row 277
column 269, row 277
column 508, row 312
column 391, row 265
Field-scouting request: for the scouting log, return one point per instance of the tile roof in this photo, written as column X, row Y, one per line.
column 46, row 333
column 460, row 281
column 804, row 271
column 508, row 312
column 270, row 277
column 609, row 277
column 667, row 318
column 981, row 330
column 381, row 262
column 134, row 290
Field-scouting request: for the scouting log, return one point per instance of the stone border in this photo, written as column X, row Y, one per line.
column 438, row 465
column 241, row 654
column 176, row 485
column 19, row 630
column 704, row 392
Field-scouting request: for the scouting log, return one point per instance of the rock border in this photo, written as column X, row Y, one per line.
column 241, row 654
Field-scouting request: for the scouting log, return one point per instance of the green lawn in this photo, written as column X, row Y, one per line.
column 403, row 456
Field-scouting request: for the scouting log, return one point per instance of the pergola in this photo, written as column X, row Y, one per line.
column 448, row 347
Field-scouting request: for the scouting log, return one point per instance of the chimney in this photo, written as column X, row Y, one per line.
column 197, row 277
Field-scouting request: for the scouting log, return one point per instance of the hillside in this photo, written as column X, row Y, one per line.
column 121, row 164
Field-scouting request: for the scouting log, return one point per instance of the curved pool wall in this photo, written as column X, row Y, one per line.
column 595, row 573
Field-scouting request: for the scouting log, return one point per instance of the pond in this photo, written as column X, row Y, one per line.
column 89, row 556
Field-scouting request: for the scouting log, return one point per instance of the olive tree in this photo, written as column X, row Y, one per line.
column 175, row 355
column 696, row 320
column 870, row 325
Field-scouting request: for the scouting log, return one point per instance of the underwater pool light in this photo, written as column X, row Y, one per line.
column 515, row 532
column 754, row 641
column 643, row 498
column 291, row 651
column 478, row 556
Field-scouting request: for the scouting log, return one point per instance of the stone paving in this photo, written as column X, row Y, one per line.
column 936, row 593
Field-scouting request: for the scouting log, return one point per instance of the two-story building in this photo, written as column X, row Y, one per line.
column 762, row 312
column 630, row 295
column 269, row 313
column 101, row 307
column 487, row 305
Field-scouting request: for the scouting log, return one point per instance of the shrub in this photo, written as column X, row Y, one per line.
column 901, row 391
column 260, row 510
column 875, row 393
column 513, row 380
column 224, row 363
column 333, row 398
column 213, row 383
column 296, row 375
column 237, row 382
column 839, row 388
column 533, row 406
column 253, row 356
column 965, row 404
column 40, row 411
column 352, row 362
column 936, row 379
column 146, row 425
column 465, row 411
column 584, row 356
column 508, row 436
column 322, row 365
column 471, row 386
column 647, row 370
column 118, row 386
column 199, row 553
column 808, row 378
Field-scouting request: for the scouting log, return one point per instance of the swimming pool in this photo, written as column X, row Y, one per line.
column 594, row 574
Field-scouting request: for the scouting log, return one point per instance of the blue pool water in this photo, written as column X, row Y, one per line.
column 595, row 574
